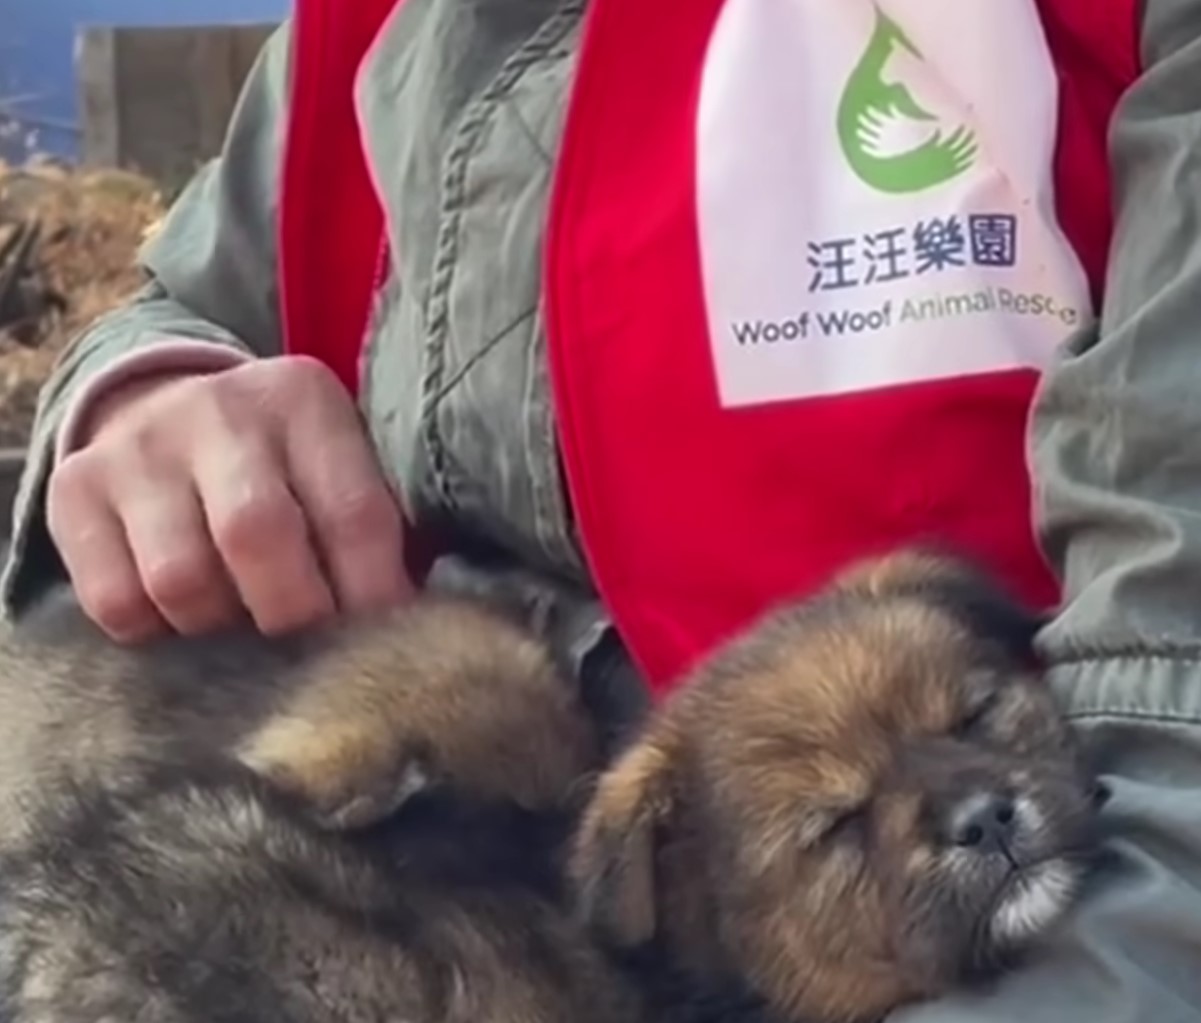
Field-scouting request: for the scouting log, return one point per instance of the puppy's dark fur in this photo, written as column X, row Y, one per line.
column 867, row 800
column 359, row 824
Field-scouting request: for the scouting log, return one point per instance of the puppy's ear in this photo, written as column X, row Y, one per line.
column 992, row 614
column 958, row 587
column 612, row 867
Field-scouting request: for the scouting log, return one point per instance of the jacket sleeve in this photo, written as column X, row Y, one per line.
column 1116, row 454
column 212, row 282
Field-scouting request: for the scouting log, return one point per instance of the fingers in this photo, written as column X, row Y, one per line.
column 355, row 522
column 252, row 489
column 92, row 543
column 261, row 535
column 174, row 556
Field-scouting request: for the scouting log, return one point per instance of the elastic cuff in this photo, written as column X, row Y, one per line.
column 168, row 356
column 1152, row 685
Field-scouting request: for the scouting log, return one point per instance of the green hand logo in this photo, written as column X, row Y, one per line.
column 892, row 143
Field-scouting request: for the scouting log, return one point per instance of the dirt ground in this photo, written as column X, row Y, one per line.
column 90, row 225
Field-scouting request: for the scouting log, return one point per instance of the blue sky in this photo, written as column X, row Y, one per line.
column 36, row 45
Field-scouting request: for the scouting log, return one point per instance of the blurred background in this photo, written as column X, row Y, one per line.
column 107, row 108
column 39, row 101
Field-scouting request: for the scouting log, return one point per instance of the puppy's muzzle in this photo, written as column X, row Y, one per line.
column 985, row 823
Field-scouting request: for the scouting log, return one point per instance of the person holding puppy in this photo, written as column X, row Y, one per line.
column 683, row 307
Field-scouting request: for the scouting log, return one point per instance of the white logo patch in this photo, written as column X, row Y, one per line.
column 875, row 196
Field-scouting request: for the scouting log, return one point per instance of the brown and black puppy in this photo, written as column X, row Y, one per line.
column 363, row 823
column 868, row 799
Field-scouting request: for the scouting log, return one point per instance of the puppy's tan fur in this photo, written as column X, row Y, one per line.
column 792, row 832
column 450, row 691
column 360, row 823
column 350, row 720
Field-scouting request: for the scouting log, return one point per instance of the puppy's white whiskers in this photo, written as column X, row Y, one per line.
column 1034, row 902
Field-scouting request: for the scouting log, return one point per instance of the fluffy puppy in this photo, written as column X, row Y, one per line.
column 868, row 799
column 362, row 823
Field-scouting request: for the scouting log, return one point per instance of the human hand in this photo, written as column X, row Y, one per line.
column 192, row 498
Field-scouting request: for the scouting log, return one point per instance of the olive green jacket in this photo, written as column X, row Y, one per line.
column 462, row 116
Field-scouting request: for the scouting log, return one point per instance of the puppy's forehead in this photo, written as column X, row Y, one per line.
column 848, row 677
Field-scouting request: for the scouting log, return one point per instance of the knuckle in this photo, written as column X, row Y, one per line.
column 279, row 621
column 74, row 478
column 256, row 522
column 104, row 472
column 75, row 507
column 152, row 430
column 363, row 516
column 291, row 378
column 305, row 371
column 117, row 605
column 180, row 579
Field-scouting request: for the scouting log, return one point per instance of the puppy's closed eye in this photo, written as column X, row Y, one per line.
column 845, row 823
column 982, row 693
column 976, row 713
column 831, row 824
column 872, row 799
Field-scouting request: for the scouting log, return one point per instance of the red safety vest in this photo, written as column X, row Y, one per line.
column 693, row 516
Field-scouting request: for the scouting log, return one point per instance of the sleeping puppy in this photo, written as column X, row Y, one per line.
column 362, row 823
column 868, row 799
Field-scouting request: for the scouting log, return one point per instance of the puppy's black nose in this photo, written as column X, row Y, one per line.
column 984, row 822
